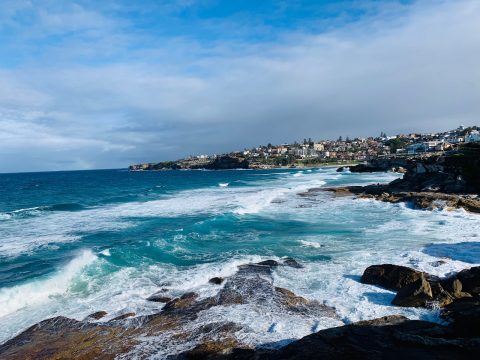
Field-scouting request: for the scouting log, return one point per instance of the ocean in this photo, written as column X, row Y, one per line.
column 72, row 243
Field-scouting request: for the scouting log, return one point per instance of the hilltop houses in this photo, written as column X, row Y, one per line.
column 311, row 152
column 473, row 136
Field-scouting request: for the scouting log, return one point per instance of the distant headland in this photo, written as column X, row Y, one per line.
column 341, row 151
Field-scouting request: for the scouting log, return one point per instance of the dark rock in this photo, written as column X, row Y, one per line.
column 361, row 168
column 416, row 294
column 438, row 263
column 182, row 302
column 470, row 279
column 96, row 315
column 292, row 263
column 123, row 316
column 452, row 285
column 391, row 337
column 464, row 316
column 270, row 263
column 228, row 162
column 436, row 287
column 441, row 297
column 429, row 182
column 341, row 169
column 159, row 297
column 216, row 280
column 391, row 277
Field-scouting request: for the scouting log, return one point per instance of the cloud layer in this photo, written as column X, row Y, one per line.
column 84, row 87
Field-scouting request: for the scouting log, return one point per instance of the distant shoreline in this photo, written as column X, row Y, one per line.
column 317, row 166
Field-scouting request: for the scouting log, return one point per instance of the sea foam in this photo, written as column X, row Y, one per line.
column 42, row 290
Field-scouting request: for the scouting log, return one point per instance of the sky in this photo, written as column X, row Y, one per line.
column 103, row 84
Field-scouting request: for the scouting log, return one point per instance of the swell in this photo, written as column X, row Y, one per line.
column 38, row 210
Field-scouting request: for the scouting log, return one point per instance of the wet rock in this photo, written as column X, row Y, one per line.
column 292, row 263
column 438, row 263
column 270, row 263
column 159, row 297
column 391, row 277
column 63, row 338
column 416, row 294
column 182, row 302
column 443, row 299
column 209, row 349
column 176, row 323
column 96, row 315
column 341, row 169
column 216, row 280
column 123, row 316
column 470, row 279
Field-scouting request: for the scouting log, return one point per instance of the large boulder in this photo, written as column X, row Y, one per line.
column 441, row 297
column 391, row 337
column 416, row 294
column 391, row 277
column 470, row 279
column 464, row 316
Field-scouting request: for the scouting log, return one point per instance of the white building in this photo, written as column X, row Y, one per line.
column 474, row 136
column 416, row 148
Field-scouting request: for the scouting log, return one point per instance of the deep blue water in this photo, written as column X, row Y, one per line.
column 76, row 242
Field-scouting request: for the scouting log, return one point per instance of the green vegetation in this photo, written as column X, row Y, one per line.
column 396, row 144
column 468, row 159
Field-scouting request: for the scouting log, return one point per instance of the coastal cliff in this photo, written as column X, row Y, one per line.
column 224, row 162
column 447, row 181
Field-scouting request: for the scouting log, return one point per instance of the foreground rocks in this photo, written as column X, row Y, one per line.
column 391, row 337
column 175, row 322
column 419, row 289
column 388, row 337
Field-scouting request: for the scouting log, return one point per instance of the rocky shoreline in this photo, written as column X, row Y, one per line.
column 458, row 296
column 441, row 182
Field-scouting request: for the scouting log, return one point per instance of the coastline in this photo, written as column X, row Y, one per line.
column 180, row 315
column 457, row 294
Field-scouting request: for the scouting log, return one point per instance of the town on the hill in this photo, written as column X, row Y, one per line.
column 324, row 152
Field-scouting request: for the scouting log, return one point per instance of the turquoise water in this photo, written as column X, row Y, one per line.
column 72, row 243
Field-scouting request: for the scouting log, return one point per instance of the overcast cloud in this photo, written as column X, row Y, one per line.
column 85, row 87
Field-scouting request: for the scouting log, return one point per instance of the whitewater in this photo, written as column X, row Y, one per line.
column 73, row 243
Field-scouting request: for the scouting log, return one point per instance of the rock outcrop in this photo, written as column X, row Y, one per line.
column 391, row 277
column 435, row 182
column 418, row 289
column 416, row 294
column 63, row 338
column 390, row 337
column 224, row 162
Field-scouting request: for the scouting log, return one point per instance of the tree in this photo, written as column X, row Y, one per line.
column 340, row 138
column 395, row 144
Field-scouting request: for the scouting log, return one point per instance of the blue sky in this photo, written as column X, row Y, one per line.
column 97, row 84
